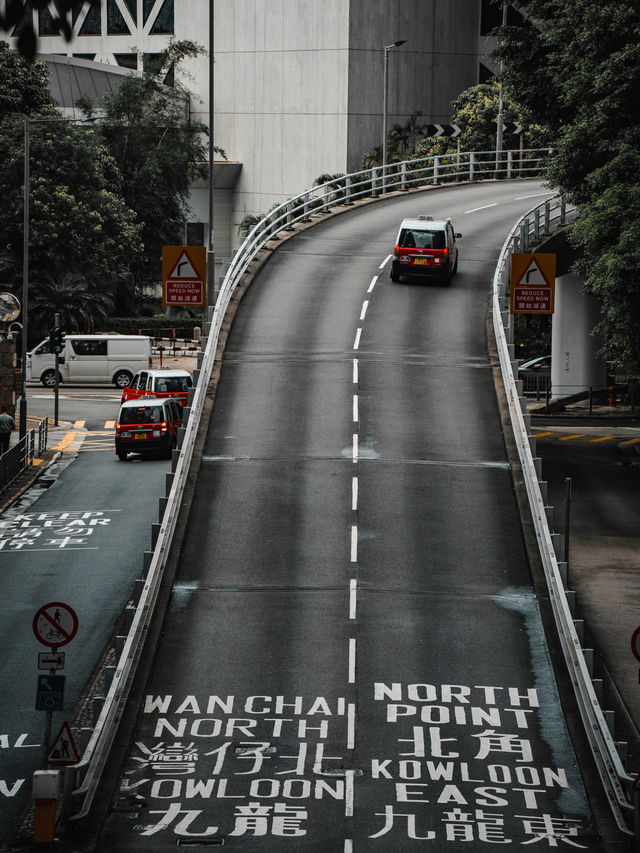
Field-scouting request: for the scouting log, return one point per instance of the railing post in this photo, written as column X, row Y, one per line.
column 403, row 176
column 436, row 169
column 374, row 181
column 547, row 218
column 347, row 190
column 509, row 163
column 472, row 164
column 536, row 225
column 563, row 211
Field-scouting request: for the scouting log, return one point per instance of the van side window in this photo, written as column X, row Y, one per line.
column 87, row 346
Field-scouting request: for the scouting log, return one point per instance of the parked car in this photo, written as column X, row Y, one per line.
column 425, row 247
column 535, row 374
column 91, row 359
column 159, row 382
column 148, row 425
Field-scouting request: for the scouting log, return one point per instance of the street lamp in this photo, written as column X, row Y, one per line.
column 500, row 122
column 387, row 48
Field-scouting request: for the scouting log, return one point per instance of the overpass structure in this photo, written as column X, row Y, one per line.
column 315, row 205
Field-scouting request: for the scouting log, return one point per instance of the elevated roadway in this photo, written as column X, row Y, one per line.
column 353, row 658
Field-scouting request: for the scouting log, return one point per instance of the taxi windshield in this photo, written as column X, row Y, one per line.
column 421, row 239
column 142, row 415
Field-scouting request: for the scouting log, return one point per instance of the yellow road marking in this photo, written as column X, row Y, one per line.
column 542, row 434
column 110, row 425
column 569, row 437
column 630, row 441
column 602, row 438
column 79, row 424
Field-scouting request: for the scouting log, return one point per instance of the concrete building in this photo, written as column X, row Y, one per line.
column 298, row 83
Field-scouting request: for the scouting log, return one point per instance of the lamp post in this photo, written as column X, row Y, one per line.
column 500, row 124
column 387, row 48
column 211, row 257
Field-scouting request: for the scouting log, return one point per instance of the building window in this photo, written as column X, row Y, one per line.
column 89, row 56
column 91, row 24
column 163, row 24
column 46, row 27
column 116, row 24
column 127, row 60
column 132, row 6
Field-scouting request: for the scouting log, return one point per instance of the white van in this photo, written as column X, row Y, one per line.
column 91, row 359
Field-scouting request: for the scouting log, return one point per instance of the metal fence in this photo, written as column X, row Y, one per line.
column 21, row 455
column 617, row 783
column 348, row 189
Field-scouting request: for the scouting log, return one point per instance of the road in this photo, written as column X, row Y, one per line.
column 80, row 543
column 353, row 658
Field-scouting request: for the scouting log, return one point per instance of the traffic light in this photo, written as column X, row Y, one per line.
column 56, row 339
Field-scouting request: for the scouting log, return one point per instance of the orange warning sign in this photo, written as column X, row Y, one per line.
column 184, row 276
column 533, row 279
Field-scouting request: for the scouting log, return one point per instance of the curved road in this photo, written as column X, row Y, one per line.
column 353, row 657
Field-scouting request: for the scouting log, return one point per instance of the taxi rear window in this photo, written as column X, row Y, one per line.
column 142, row 415
column 421, row 239
column 173, row 383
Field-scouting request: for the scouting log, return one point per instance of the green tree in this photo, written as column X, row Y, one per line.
column 586, row 60
column 78, row 223
column 475, row 111
column 80, row 306
column 159, row 152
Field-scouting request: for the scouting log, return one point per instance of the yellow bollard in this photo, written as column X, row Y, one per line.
column 45, row 790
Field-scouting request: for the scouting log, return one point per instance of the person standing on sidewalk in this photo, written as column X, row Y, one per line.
column 7, row 424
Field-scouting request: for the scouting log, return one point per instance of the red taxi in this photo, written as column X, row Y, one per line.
column 159, row 382
column 425, row 247
column 148, row 425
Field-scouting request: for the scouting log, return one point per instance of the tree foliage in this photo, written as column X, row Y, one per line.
column 576, row 65
column 475, row 111
column 78, row 222
column 158, row 150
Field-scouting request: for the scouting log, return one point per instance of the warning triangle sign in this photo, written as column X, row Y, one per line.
column 64, row 750
column 533, row 275
column 184, row 268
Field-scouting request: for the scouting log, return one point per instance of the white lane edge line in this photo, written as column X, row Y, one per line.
column 355, row 371
column 356, row 343
column 352, row 660
column 356, row 414
column 363, row 313
column 385, row 262
column 348, row 845
column 355, row 447
column 484, row 207
column 373, row 284
column 354, row 493
column 353, row 598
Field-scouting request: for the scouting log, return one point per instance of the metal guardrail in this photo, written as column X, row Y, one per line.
column 624, row 803
column 21, row 455
column 372, row 183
